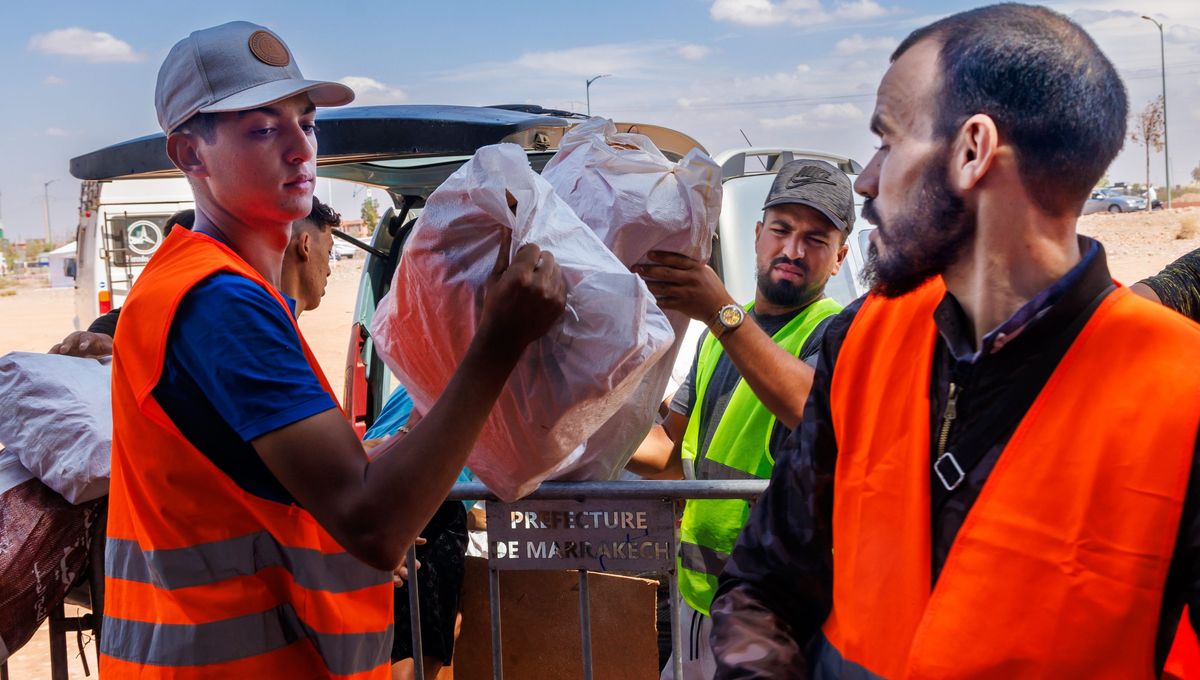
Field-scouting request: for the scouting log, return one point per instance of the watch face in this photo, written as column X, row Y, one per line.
column 731, row 316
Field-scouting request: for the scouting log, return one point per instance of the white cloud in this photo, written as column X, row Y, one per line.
column 1092, row 16
column 84, row 44
column 822, row 116
column 857, row 44
column 54, row 80
column 793, row 121
column 633, row 61
column 860, row 9
column 794, row 12
column 1182, row 35
column 55, row 132
column 838, row 112
column 620, row 59
column 369, row 92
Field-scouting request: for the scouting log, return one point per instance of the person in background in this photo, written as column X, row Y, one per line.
column 749, row 379
column 995, row 475
column 306, row 270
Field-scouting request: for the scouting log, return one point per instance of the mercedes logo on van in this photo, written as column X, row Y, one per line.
column 143, row 237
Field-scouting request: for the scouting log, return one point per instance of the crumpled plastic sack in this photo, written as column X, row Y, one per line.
column 44, row 544
column 58, row 420
column 636, row 200
column 568, row 383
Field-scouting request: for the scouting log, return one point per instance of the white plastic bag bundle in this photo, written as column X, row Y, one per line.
column 569, row 382
column 636, row 200
column 58, row 420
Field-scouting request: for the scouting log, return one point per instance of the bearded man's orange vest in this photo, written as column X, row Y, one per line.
column 1059, row 567
column 202, row 579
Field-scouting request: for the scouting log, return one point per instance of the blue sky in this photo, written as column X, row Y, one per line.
column 80, row 75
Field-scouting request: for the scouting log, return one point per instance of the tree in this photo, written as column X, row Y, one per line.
column 1147, row 130
column 1196, row 174
column 370, row 212
column 1104, row 181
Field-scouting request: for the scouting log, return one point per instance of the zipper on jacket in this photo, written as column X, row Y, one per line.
column 948, row 417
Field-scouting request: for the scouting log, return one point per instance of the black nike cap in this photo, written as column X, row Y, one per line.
column 818, row 185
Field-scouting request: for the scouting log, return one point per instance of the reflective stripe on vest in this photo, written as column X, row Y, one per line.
column 740, row 449
column 175, row 644
column 1059, row 567
column 202, row 578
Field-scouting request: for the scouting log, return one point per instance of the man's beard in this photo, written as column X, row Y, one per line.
column 784, row 293
column 921, row 242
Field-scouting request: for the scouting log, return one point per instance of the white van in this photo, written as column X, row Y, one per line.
column 121, row 224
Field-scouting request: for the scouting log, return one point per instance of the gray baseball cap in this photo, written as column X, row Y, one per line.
column 818, row 185
column 233, row 67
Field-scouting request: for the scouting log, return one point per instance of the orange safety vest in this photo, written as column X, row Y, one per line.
column 202, row 579
column 1059, row 568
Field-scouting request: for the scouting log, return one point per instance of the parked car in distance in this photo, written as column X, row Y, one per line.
column 342, row 250
column 1113, row 201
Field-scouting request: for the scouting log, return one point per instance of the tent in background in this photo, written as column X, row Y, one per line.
column 61, row 264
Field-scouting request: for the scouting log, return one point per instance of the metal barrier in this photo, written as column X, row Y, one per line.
column 571, row 500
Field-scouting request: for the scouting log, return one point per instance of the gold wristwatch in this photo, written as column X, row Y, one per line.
column 728, row 318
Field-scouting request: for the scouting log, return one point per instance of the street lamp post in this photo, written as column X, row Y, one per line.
column 46, row 194
column 1166, row 146
column 588, row 90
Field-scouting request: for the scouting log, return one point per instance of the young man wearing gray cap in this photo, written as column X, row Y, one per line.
column 249, row 535
column 749, row 382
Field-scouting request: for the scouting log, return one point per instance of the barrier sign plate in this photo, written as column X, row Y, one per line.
column 598, row 535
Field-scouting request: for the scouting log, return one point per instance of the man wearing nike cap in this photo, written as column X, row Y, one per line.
column 248, row 534
column 750, row 380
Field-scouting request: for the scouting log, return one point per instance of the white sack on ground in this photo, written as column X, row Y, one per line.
column 636, row 200
column 58, row 420
column 568, row 383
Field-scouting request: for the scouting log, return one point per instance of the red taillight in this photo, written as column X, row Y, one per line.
column 355, row 394
column 105, row 300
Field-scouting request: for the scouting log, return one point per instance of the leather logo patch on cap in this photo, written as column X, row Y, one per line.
column 268, row 49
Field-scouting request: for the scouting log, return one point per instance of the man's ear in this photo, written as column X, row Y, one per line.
column 841, row 257
column 758, row 226
column 183, row 149
column 974, row 150
column 304, row 245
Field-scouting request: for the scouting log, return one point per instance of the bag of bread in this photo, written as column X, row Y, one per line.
column 568, row 383
column 636, row 200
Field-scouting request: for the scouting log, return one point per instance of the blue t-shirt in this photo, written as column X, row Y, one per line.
column 234, row 371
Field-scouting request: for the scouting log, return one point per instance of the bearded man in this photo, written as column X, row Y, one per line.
column 991, row 478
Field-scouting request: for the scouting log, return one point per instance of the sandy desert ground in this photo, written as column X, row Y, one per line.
column 33, row 318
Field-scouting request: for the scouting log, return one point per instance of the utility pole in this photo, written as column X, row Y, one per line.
column 588, row 90
column 1162, row 53
column 46, row 194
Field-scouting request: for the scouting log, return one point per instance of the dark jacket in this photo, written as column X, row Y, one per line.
column 776, row 590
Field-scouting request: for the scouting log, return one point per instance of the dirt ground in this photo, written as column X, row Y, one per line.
column 34, row 318
column 1141, row 244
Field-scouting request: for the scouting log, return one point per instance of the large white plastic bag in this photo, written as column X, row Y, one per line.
column 636, row 200
column 57, row 419
column 568, row 383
